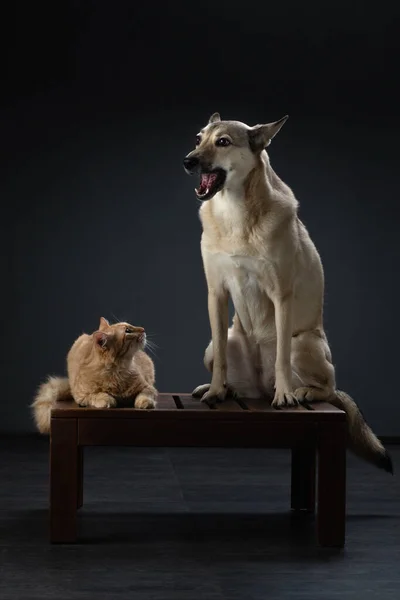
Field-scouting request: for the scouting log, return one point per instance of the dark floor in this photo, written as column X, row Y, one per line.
column 191, row 524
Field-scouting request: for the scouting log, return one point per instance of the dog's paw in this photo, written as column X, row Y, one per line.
column 143, row 402
column 304, row 394
column 311, row 394
column 201, row 390
column 214, row 395
column 284, row 399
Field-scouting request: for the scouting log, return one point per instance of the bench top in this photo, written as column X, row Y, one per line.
column 184, row 406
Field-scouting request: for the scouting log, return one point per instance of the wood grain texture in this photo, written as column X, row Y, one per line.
column 331, row 509
column 223, row 432
column 64, row 475
column 183, row 406
column 303, row 477
column 80, row 477
column 236, row 423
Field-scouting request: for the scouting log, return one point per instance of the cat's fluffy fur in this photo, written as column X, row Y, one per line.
column 102, row 367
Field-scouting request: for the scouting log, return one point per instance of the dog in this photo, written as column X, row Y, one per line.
column 256, row 250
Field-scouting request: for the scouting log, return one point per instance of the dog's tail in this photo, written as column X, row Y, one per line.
column 54, row 389
column 361, row 439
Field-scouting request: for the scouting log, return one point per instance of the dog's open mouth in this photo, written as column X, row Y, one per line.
column 210, row 184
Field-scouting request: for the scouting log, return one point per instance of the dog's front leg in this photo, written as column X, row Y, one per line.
column 218, row 314
column 283, row 371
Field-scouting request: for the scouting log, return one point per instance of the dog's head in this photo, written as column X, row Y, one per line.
column 226, row 152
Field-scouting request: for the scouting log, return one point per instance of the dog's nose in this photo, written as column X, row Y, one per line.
column 190, row 163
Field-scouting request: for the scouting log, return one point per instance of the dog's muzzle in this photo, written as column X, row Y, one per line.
column 191, row 164
column 211, row 180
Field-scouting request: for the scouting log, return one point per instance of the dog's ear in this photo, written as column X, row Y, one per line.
column 215, row 118
column 260, row 136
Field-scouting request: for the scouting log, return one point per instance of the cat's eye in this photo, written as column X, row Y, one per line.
column 128, row 330
column 222, row 142
column 198, row 140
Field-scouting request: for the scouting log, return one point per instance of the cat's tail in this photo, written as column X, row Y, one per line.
column 53, row 390
column 361, row 439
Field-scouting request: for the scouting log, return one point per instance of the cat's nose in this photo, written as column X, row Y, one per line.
column 139, row 330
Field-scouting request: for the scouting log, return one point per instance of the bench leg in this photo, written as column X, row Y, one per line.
column 331, row 512
column 63, row 480
column 303, row 478
column 79, row 497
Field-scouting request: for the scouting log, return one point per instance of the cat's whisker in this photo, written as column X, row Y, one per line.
column 151, row 344
column 150, row 336
column 116, row 318
column 151, row 350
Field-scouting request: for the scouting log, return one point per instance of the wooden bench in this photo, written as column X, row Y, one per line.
column 180, row 421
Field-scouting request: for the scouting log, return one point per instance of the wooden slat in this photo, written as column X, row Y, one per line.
column 165, row 402
column 201, row 412
column 228, row 406
column 177, row 394
column 324, row 407
column 167, row 409
column 257, row 404
column 187, row 397
column 300, row 407
column 192, row 430
column 263, row 405
column 187, row 402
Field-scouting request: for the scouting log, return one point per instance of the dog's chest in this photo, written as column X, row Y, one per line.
column 248, row 280
column 246, row 272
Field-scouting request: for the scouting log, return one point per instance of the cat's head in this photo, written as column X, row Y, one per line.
column 119, row 340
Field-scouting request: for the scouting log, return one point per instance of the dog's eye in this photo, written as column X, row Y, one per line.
column 198, row 140
column 128, row 330
column 222, row 142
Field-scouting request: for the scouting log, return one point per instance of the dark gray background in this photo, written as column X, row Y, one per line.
column 104, row 100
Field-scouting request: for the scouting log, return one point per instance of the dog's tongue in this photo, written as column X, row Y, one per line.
column 207, row 180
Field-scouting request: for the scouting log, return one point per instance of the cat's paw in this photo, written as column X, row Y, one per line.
column 103, row 401
column 201, row 390
column 143, row 402
column 83, row 402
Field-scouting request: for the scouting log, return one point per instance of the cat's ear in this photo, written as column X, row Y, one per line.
column 100, row 338
column 104, row 324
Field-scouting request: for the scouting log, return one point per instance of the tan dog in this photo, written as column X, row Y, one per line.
column 256, row 249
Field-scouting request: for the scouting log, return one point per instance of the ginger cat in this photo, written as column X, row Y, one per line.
column 102, row 367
